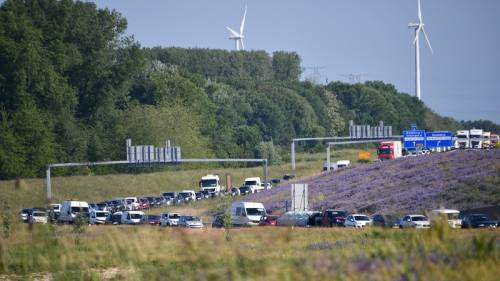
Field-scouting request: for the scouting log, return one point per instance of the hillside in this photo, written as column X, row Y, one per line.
column 84, row 86
column 459, row 179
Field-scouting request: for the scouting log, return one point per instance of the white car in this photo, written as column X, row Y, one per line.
column 131, row 203
column 132, row 217
column 98, row 217
column 38, row 217
column 190, row 221
column 188, row 195
column 169, row 219
column 415, row 221
column 357, row 221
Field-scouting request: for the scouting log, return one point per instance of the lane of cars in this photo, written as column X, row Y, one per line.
column 130, row 210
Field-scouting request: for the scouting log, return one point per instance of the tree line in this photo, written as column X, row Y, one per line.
column 73, row 87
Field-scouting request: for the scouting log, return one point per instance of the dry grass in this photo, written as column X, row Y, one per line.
column 262, row 253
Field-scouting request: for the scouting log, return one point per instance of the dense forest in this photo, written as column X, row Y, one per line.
column 73, row 87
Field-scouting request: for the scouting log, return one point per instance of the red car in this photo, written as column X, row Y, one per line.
column 268, row 220
column 144, row 204
column 333, row 218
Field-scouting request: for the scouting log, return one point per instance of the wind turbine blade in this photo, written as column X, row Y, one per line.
column 417, row 33
column 419, row 12
column 427, row 39
column 242, row 45
column 234, row 33
column 242, row 26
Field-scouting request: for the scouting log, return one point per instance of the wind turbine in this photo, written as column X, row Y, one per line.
column 419, row 27
column 238, row 36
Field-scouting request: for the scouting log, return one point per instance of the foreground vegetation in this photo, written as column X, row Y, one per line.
column 270, row 253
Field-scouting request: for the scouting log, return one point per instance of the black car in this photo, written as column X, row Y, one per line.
column 288, row 176
column 478, row 220
column 276, row 181
column 235, row 191
column 218, row 221
column 244, row 190
column 206, row 194
column 199, row 195
column 384, row 220
column 170, row 195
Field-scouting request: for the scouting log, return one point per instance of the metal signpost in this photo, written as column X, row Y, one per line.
column 300, row 200
column 149, row 156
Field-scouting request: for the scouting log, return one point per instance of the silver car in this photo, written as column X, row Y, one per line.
column 190, row 221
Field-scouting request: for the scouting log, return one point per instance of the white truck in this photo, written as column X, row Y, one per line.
column 476, row 138
column 462, row 139
column 255, row 184
column 211, row 183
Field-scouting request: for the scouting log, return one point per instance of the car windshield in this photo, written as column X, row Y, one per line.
column 169, row 194
column 79, row 209
column 244, row 188
column 185, row 194
column 38, row 214
column 174, row 216
column 101, row 205
column 336, row 213
column 454, row 216
column 101, row 214
column 462, row 136
column 250, row 182
column 361, row 218
column 208, row 183
column 256, row 211
column 130, row 201
column 56, row 207
column 384, row 151
column 189, row 218
column 26, row 211
column 153, row 217
column 418, row 218
column 135, row 216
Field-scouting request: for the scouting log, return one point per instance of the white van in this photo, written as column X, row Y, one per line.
column 70, row 210
column 99, row 217
column 132, row 217
column 453, row 216
column 247, row 213
column 254, row 184
column 343, row 164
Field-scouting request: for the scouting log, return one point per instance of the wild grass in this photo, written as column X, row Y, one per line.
column 262, row 253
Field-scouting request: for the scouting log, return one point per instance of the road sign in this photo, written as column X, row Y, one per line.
column 439, row 139
column 414, row 139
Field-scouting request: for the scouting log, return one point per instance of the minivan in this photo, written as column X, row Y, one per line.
column 247, row 213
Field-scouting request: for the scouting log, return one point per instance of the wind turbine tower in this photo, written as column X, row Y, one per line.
column 419, row 27
column 238, row 36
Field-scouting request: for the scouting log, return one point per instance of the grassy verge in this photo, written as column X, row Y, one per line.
column 32, row 192
column 270, row 253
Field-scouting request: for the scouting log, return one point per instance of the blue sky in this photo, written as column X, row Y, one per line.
column 461, row 79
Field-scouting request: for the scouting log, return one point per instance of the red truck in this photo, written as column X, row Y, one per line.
column 389, row 150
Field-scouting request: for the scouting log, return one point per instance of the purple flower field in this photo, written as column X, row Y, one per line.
column 458, row 179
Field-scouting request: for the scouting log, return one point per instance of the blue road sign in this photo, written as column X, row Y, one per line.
column 438, row 139
column 413, row 126
column 414, row 138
